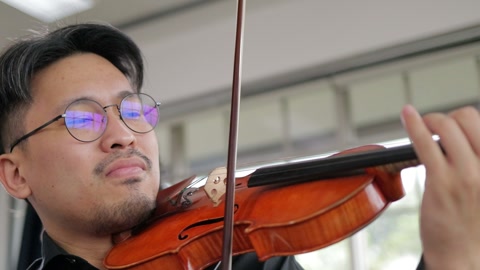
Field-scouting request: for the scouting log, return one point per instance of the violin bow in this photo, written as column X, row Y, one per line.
column 226, row 261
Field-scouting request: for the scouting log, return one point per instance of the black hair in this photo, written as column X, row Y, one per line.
column 24, row 58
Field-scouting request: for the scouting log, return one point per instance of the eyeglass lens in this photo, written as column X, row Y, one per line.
column 139, row 112
column 86, row 120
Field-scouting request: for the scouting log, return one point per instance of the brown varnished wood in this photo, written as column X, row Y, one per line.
column 271, row 220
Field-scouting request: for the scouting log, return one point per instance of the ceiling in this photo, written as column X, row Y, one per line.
column 188, row 44
column 120, row 13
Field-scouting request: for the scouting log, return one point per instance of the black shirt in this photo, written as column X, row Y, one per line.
column 54, row 258
column 421, row 264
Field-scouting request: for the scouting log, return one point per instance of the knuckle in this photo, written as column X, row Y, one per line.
column 444, row 123
column 470, row 176
column 467, row 112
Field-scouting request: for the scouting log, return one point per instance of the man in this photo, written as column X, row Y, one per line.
column 76, row 140
column 75, row 133
column 74, row 185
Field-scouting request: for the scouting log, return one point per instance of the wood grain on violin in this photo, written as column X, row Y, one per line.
column 308, row 208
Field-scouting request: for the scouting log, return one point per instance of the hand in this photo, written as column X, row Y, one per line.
column 450, row 210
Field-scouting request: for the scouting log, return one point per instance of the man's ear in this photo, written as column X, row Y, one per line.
column 11, row 179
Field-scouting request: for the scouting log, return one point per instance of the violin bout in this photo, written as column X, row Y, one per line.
column 272, row 220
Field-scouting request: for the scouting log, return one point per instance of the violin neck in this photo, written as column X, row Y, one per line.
column 392, row 160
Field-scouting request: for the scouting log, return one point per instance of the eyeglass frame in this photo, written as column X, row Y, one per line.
column 63, row 115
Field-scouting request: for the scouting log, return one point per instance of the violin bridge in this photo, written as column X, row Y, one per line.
column 215, row 186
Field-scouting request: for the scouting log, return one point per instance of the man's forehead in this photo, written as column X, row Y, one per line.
column 87, row 76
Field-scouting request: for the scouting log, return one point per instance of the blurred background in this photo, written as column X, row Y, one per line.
column 318, row 77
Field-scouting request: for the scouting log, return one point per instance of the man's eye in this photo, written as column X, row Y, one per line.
column 83, row 120
column 131, row 114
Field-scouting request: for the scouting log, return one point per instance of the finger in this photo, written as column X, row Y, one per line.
column 427, row 150
column 452, row 138
column 468, row 118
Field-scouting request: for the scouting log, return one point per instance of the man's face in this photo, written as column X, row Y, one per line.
column 101, row 187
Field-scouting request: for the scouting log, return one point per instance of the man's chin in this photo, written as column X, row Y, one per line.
column 123, row 216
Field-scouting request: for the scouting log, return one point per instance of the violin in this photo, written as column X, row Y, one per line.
column 274, row 211
column 279, row 210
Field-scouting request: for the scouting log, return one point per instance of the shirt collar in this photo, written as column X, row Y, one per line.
column 50, row 249
column 55, row 257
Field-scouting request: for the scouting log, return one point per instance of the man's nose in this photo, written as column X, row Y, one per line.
column 117, row 134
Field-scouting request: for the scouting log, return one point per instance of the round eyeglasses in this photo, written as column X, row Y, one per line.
column 86, row 120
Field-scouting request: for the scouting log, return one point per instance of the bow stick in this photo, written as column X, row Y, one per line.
column 232, row 142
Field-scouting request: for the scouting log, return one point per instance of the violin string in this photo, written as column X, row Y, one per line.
column 218, row 265
column 196, row 182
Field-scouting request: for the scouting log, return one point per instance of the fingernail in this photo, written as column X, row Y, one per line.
column 406, row 111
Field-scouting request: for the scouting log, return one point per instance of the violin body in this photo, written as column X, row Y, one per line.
column 272, row 220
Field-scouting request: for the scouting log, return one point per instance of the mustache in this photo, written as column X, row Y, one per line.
column 100, row 168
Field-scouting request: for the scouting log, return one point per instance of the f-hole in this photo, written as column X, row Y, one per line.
column 183, row 236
